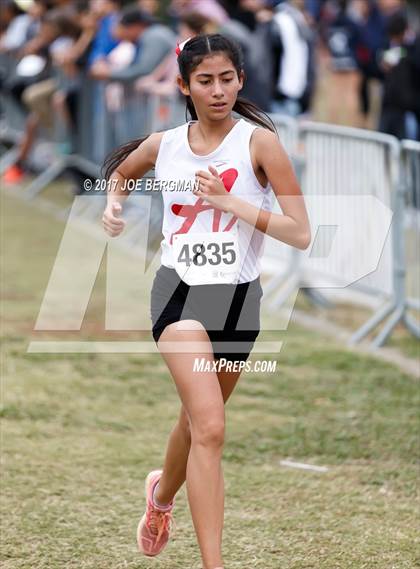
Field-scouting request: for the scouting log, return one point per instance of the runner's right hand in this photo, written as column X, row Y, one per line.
column 112, row 224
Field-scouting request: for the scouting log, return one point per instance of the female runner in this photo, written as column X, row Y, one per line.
column 205, row 298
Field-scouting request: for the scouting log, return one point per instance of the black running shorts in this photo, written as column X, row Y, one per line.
column 228, row 312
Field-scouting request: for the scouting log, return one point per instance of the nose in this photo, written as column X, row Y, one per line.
column 217, row 89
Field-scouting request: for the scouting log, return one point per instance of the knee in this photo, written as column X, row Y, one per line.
column 210, row 433
column 29, row 96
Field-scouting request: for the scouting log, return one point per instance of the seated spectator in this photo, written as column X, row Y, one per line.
column 14, row 24
column 35, row 38
column 95, row 43
column 61, row 27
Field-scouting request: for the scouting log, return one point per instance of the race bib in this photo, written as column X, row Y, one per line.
column 207, row 258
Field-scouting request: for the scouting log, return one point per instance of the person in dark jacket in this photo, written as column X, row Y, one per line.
column 401, row 91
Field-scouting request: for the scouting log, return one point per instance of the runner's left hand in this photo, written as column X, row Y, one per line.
column 212, row 188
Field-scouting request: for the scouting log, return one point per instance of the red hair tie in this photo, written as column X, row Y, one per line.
column 180, row 46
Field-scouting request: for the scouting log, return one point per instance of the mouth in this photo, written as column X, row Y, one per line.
column 218, row 105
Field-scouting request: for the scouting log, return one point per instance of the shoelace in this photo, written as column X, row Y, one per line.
column 159, row 522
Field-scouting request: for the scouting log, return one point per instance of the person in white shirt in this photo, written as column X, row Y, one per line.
column 293, row 41
column 206, row 294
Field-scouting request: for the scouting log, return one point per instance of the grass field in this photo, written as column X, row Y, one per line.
column 81, row 431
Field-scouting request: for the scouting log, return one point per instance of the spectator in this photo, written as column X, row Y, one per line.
column 247, row 11
column 255, row 42
column 108, row 13
column 340, row 36
column 293, row 48
column 14, row 24
column 149, row 6
column 211, row 9
column 401, row 92
column 35, row 40
column 153, row 40
column 162, row 80
column 70, row 65
column 370, row 41
column 60, row 25
column 342, row 77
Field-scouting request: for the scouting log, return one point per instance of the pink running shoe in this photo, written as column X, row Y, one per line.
column 156, row 524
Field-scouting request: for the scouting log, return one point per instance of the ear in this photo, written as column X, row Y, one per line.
column 182, row 86
column 241, row 79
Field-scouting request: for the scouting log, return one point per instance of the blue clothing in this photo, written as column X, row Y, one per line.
column 104, row 42
column 371, row 38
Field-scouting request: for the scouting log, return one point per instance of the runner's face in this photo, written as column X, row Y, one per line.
column 214, row 86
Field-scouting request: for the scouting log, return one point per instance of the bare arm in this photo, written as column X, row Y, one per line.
column 135, row 166
column 292, row 226
column 81, row 44
column 46, row 35
column 161, row 70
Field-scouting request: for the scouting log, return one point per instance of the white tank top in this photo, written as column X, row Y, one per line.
column 176, row 165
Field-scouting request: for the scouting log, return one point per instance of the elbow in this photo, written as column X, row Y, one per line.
column 304, row 241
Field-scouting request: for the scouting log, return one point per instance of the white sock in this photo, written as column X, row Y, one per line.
column 158, row 504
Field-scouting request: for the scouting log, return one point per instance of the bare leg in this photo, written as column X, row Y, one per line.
column 175, row 465
column 179, row 443
column 60, row 105
column 28, row 137
column 203, row 401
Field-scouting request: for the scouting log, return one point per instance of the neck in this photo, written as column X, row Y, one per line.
column 211, row 130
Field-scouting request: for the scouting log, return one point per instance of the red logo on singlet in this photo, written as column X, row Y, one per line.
column 190, row 212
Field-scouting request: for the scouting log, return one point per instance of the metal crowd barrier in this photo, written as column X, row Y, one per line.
column 410, row 180
column 343, row 161
column 280, row 262
column 329, row 161
column 119, row 114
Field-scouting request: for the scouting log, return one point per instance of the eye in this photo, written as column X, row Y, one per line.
column 204, row 82
column 227, row 80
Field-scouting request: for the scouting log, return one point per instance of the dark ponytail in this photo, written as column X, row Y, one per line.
column 250, row 111
column 193, row 53
column 114, row 158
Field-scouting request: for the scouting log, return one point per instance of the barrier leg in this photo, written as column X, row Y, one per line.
column 411, row 325
column 57, row 168
column 274, row 283
column 317, row 298
column 8, row 158
column 384, row 334
column 42, row 181
column 288, row 288
column 371, row 323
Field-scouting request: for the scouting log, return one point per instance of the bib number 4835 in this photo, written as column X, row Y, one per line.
column 212, row 253
column 207, row 258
